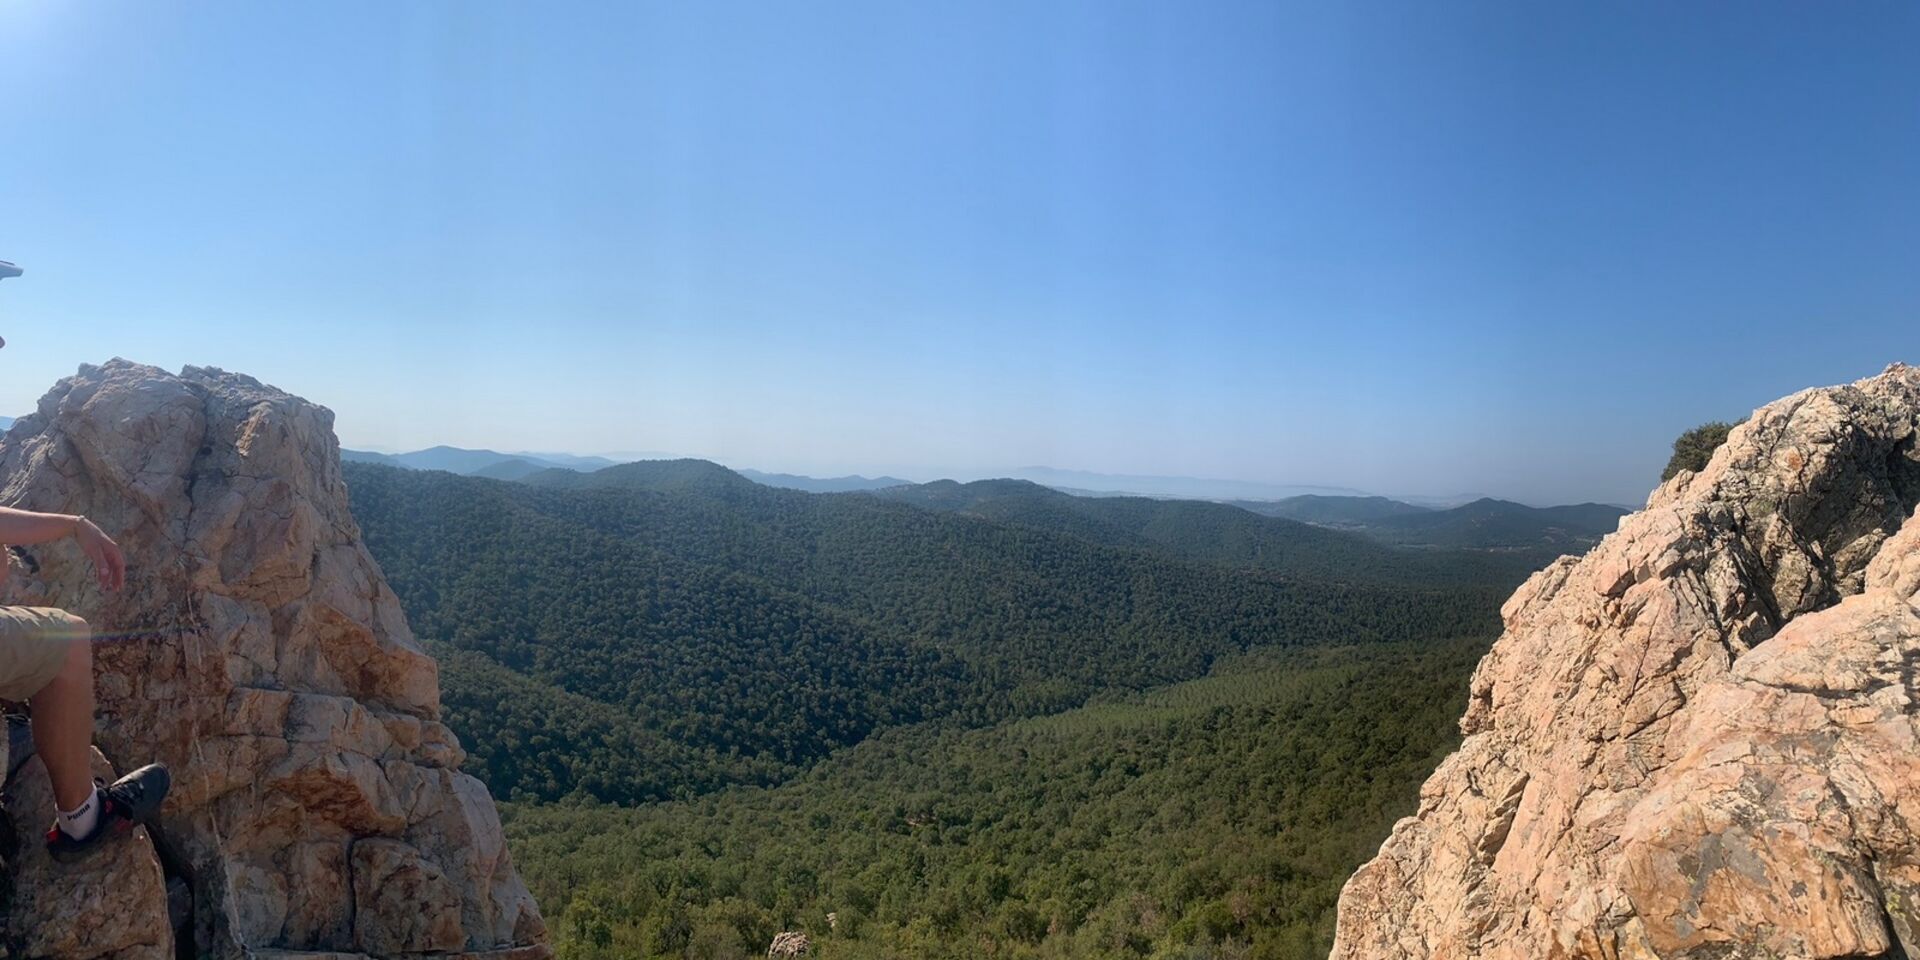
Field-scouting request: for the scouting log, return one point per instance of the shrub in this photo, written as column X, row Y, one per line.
column 1692, row 450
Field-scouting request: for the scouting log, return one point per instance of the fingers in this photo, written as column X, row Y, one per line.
column 109, row 564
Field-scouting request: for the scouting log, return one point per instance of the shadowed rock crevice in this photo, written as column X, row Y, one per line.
column 1714, row 716
column 177, row 874
column 318, row 805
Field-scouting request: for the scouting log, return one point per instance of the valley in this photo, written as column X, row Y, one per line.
column 950, row 714
column 612, row 480
column 1217, row 817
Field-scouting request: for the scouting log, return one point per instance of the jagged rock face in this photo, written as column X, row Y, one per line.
column 1703, row 738
column 317, row 802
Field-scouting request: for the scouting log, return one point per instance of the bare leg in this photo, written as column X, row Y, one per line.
column 63, row 721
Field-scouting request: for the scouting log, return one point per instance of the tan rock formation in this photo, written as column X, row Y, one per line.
column 790, row 943
column 1703, row 738
column 113, row 905
column 317, row 804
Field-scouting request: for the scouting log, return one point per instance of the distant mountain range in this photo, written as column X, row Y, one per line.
column 495, row 465
column 1332, row 511
column 1501, row 524
column 1484, row 524
column 515, row 468
column 1203, row 530
column 1314, row 530
column 1185, row 488
column 847, row 484
column 490, row 463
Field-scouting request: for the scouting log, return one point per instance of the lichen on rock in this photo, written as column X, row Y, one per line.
column 318, row 805
column 1703, row 738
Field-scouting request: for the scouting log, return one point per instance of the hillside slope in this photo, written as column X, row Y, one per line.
column 765, row 628
column 1489, row 524
column 1216, row 817
column 476, row 462
column 1331, row 511
column 846, row 484
column 753, row 677
column 1211, row 532
column 515, row 468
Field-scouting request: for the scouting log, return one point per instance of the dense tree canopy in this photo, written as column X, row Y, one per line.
column 1213, row 818
column 948, row 721
column 737, row 633
column 1221, row 533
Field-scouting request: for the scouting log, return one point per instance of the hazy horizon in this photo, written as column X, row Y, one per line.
column 1056, row 476
column 1396, row 247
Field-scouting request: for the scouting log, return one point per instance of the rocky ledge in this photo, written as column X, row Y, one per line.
column 1701, row 740
column 318, row 806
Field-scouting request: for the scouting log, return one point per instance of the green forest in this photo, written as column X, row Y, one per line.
column 734, row 633
column 1212, row 818
column 963, row 720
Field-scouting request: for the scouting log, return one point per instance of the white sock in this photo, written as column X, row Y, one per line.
column 79, row 822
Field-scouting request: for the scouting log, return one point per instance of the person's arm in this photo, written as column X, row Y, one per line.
column 25, row 527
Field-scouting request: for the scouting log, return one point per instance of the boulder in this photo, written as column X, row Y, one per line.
column 790, row 943
column 318, row 806
column 1702, row 739
column 110, row 905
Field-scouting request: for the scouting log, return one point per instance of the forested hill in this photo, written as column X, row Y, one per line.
column 1213, row 818
column 1502, row 525
column 1215, row 532
column 1188, row 529
column 742, row 632
column 1332, row 510
column 1532, row 534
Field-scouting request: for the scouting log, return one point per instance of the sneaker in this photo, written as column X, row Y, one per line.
column 132, row 799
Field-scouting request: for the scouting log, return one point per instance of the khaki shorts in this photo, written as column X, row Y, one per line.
column 33, row 645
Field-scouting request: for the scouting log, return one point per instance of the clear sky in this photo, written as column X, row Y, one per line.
column 1504, row 248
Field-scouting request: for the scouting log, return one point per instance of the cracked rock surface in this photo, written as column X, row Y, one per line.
column 318, row 807
column 117, row 899
column 1703, row 738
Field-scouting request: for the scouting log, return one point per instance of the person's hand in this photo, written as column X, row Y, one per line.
column 109, row 564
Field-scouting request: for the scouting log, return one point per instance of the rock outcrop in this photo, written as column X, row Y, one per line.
column 318, row 805
column 113, row 905
column 1703, row 738
column 790, row 943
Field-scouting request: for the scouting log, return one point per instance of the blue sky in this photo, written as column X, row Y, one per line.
column 1509, row 248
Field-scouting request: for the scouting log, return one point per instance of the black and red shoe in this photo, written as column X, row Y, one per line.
column 132, row 799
